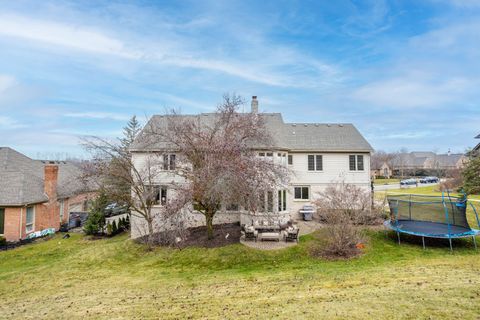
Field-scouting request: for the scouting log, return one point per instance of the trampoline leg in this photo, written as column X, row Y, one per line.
column 423, row 241
column 474, row 242
column 398, row 235
column 450, row 240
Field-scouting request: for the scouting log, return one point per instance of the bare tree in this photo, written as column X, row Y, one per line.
column 217, row 159
column 400, row 161
column 124, row 182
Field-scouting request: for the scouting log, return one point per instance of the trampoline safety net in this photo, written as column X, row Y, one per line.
column 447, row 210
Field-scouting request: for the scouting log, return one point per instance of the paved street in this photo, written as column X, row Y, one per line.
column 383, row 187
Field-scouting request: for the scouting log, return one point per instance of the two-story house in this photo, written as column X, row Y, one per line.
column 317, row 154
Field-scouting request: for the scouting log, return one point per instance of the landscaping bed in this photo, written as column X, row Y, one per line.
column 223, row 235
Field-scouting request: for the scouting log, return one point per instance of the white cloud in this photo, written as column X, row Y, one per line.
column 98, row 115
column 6, row 82
column 412, row 91
column 256, row 62
column 76, row 37
column 9, row 123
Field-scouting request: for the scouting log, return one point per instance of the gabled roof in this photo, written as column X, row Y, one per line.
column 287, row 136
column 22, row 179
column 448, row 160
column 477, row 137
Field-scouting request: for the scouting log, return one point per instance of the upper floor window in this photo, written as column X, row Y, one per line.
column 169, row 161
column 356, row 162
column 266, row 155
column 290, row 159
column 282, row 157
column 315, row 162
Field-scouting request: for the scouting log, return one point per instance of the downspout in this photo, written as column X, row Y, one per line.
column 21, row 220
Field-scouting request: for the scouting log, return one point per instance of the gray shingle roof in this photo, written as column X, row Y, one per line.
column 288, row 136
column 21, row 179
column 446, row 160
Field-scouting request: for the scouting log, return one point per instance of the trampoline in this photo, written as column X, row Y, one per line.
column 431, row 217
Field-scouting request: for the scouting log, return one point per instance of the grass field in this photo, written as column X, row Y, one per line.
column 118, row 279
column 385, row 181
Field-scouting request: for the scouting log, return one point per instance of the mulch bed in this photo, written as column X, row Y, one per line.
column 197, row 237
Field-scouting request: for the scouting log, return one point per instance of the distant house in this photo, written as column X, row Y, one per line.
column 36, row 195
column 381, row 169
column 447, row 161
column 422, row 163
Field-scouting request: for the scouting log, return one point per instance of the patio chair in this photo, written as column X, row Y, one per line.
column 291, row 234
column 250, row 233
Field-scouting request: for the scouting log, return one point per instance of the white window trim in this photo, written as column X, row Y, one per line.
column 282, row 199
column 169, row 161
column 160, row 187
column 33, row 223
column 302, row 200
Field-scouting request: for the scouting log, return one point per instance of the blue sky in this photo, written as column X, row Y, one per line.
column 406, row 73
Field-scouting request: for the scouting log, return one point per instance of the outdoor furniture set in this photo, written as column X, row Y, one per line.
column 271, row 230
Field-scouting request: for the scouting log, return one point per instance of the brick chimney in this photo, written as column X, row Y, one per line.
column 50, row 181
column 254, row 104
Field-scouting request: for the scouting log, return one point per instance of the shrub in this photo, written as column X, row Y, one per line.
column 471, row 176
column 345, row 208
column 453, row 181
column 3, row 241
column 95, row 223
column 109, row 229
column 114, row 228
column 96, row 217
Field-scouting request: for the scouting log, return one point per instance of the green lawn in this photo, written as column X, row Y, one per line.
column 385, row 181
column 432, row 190
column 118, row 279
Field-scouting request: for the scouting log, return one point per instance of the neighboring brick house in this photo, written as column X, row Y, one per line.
column 36, row 195
column 380, row 169
column 318, row 155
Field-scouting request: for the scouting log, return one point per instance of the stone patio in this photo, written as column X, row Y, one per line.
column 306, row 227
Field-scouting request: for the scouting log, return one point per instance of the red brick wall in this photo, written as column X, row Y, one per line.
column 12, row 224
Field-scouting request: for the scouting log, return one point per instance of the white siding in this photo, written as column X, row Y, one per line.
column 335, row 169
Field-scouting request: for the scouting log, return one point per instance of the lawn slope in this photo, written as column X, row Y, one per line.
column 118, row 279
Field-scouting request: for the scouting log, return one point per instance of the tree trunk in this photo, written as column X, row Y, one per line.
column 209, row 222
column 150, row 227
